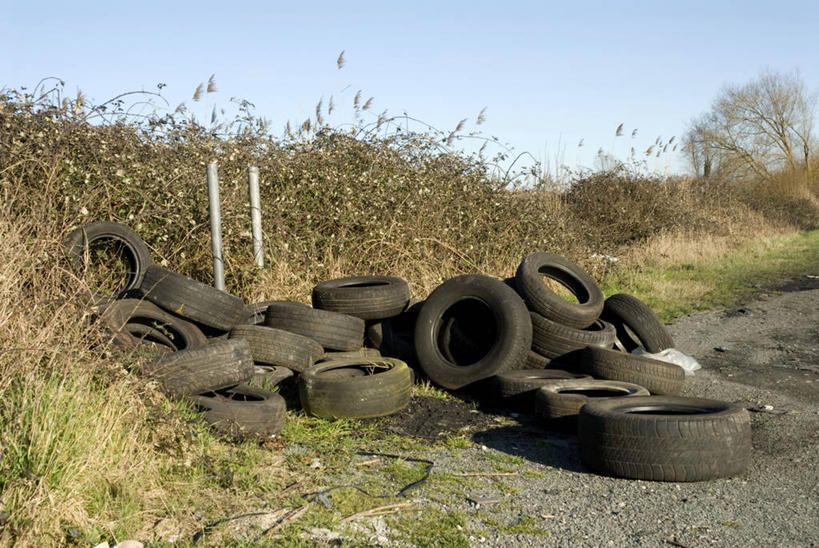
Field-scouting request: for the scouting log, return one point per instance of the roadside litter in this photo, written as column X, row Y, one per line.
column 604, row 368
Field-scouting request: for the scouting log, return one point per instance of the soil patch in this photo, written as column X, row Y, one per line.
column 434, row 419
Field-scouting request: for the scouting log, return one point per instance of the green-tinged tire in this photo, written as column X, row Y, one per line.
column 206, row 369
column 355, row 388
column 243, row 410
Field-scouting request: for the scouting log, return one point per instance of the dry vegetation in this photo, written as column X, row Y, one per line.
column 91, row 453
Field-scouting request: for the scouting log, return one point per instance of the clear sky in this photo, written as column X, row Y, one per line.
column 548, row 73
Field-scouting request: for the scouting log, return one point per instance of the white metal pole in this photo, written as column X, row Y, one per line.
column 215, row 227
column 255, row 214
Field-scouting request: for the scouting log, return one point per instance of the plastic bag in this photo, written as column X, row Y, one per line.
column 672, row 355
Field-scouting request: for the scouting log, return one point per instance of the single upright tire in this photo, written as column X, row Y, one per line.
column 636, row 324
column 665, row 438
column 277, row 347
column 546, row 302
column 557, row 403
column 207, row 369
column 365, row 297
column 516, row 389
column 133, row 320
column 243, row 410
column 195, row 301
column 656, row 376
column 479, row 302
column 373, row 388
column 331, row 330
column 134, row 250
column 554, row 340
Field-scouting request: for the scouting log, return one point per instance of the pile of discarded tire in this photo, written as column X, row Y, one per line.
column 567, row 362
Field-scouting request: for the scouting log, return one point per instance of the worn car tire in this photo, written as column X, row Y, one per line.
column 665, row 438
column 135, row 252
column 516, row 389
column 475, row 300
column 546, row 302
column 383, row 389
column 331, row 330
column 243, row 410
column 554, row 340
column 206, row 369
column 361, row 353
column 656, row 376
column 195, row 301
column 278, row 347
column 132, row 320
column 365, row 297
column 558, row 403
column 636, row 324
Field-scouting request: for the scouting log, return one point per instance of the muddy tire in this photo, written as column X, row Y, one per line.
column 135, row 320
column 371, row 388
column 243, row 410
column 554, row 340
column 192, row 300
column 656, row 376
column 480, row 302
column 665, row 438
column 516, row 389
column 365, row 297
column 558, row 403
column 636, row 324
column 277, row 347
column 207, row 369
column 331, row 330
column 134, row 251
column 546, row 302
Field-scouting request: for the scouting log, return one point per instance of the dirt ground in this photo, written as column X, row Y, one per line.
column 764, row 353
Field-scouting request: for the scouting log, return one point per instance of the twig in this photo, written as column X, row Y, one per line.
column 487, row 474
column 287, row 520
column 367, row 462
column 387, row 509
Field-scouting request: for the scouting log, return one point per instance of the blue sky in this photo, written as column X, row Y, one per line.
column 548, row 73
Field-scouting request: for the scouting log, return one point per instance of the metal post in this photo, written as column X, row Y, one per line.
column 215, row 227
column 255, row 214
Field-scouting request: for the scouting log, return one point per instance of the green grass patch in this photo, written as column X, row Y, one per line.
column 739, row 273
column 527, row 525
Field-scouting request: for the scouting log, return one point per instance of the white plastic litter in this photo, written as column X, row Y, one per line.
column 672, row 355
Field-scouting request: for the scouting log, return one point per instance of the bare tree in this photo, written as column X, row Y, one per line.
column 762, row 127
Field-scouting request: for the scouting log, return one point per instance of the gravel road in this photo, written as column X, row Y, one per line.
column 764, row 354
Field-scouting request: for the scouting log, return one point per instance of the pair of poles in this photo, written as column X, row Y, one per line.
column 214, row 208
